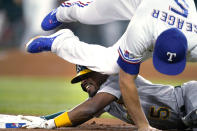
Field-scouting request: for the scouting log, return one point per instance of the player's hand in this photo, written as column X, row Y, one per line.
column 46, row 124
column 30, row 118
column 38, row 123
column 148, row 128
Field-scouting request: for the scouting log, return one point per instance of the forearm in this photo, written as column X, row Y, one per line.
column 131, row 100
column 87, row 109
column 80, row 115
column 76, row 116
column 90, row 108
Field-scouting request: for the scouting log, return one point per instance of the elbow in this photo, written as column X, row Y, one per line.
column 125, row 78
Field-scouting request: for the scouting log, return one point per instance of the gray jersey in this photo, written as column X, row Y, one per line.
column 163, row 105
column 189, row 91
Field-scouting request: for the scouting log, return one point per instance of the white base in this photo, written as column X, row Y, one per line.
column 15, row 121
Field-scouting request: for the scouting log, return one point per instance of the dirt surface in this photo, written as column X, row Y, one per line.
column 16, row 63
column 104, row 124
column 98, row 124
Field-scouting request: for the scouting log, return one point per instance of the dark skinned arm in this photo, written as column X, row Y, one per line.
column 88, row 109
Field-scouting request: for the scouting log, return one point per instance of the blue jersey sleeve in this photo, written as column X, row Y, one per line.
column 130, row 68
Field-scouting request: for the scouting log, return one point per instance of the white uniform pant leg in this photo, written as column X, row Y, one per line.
column 95, row 57
column 97, row 11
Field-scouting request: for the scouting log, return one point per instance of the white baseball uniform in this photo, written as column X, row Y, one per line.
column 137, row 42
column 95, row 57
column 96, row 11
column 151, row 18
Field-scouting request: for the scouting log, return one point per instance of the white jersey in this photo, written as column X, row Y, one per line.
column 137, row 40
column 153, row 17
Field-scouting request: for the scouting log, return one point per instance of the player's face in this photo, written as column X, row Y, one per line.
column 92, row 84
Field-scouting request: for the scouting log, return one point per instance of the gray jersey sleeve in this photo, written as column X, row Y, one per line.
column 111, row 86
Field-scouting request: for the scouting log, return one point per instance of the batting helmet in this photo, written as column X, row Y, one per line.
column 82, row 73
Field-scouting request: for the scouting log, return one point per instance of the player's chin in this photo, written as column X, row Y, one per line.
column 91, row 93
